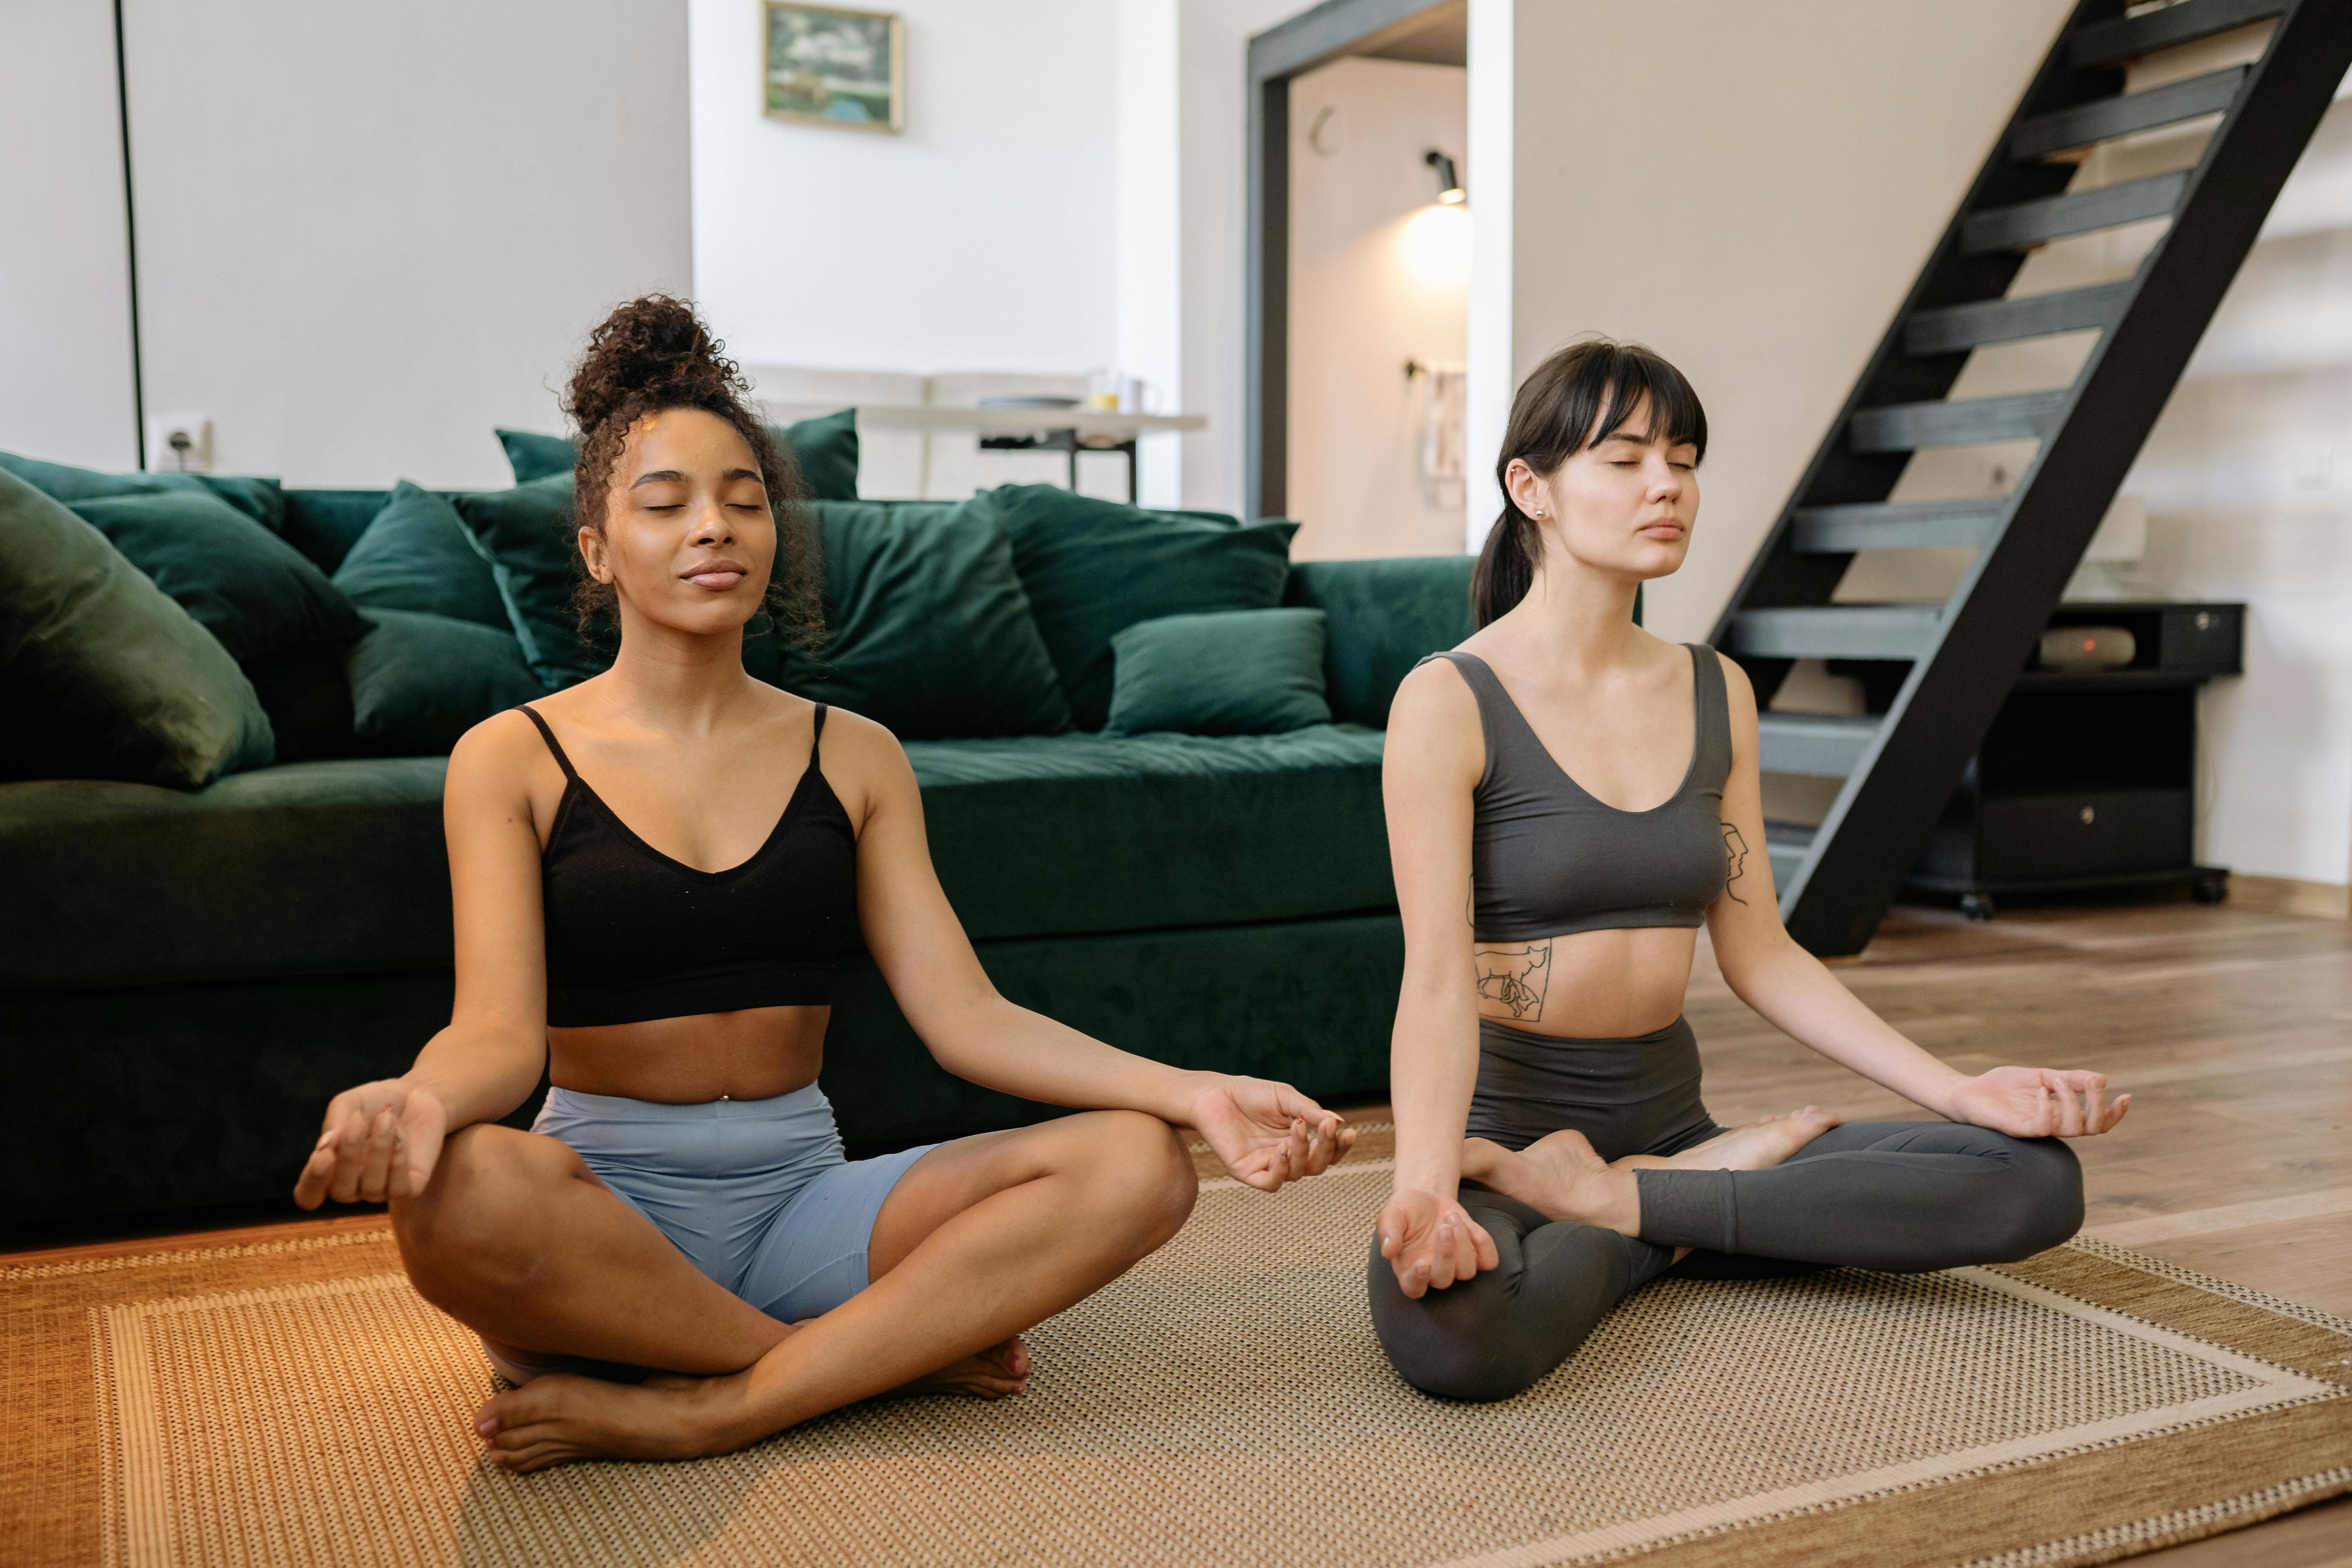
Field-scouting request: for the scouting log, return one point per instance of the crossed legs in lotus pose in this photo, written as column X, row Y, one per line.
column 981, row 1239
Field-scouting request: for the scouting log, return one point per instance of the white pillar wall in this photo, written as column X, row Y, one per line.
column 1150, row 220
column 1493, row 374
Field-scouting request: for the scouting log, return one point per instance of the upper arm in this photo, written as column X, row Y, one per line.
column 1430, row 770
column 1746, row 916
column 909, row 925
column 494, row 878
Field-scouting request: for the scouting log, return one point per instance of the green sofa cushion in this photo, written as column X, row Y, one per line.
column 1226, row 672
column 929, row 630
column 1385, row 618
column 826, row 448
column 1095, row 567
column 286, row 625
column 324, row 524
column 256, row 592
column 260, row 499
column 334, row 867
column 419, row 682
column 1062, row 834
column 102, row 675
column 528, row 536
column 417, row 556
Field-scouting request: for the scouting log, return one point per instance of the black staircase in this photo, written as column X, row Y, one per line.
column 1938, row 672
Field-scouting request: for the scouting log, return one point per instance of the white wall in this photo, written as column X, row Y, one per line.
column 1212, row 63
column 368, row 235
column 1750, row 190
column 1379, row 275
column 65, row 286
column 2248, row 480
column 983, row 237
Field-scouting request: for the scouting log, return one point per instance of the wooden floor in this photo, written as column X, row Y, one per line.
column 2233, row 1030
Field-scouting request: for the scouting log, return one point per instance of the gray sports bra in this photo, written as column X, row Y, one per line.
column 1548, row 859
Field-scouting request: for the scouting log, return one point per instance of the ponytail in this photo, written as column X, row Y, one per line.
column 1506, row 566
column 1573, row 400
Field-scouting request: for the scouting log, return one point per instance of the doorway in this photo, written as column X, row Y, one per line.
column 1360, row 250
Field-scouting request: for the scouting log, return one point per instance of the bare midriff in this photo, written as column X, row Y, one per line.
column 1592, row 985
column 755, row 1054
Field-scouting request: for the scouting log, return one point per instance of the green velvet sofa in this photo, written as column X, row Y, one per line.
column 186, row 977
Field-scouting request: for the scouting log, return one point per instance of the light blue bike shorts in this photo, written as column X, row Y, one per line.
column 756, row 1193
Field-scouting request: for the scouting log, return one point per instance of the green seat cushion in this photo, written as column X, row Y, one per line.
column 528, row 536
column 1385, row 617
column 419, row 682
column 1062, row 834
column 416, row 555
column 260, row 499
column 102, row 675
column 929, row 630
column 256, row 592
column 1094, row 568
column 1224, row 672
column 826, row 448
column 333, row 868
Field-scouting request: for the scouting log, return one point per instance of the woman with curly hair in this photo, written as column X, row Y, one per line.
column 655, row 874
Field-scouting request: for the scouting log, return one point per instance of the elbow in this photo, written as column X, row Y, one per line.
column 1753, row 968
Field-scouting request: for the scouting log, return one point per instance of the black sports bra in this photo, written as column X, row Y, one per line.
column 1548, row 859
column 633, row 934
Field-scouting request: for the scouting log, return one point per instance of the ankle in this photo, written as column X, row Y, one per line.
column 1611, row 1199
column 1483, row 1159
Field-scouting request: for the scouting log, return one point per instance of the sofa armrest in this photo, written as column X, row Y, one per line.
column 1383, row 617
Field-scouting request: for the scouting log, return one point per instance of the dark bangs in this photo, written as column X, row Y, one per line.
column 1597, row 386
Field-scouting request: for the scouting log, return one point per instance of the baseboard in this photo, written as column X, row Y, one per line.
column 2286, row 895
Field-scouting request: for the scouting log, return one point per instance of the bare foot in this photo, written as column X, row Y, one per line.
column 1563, row 1175
column 996, row 1373
column 1757, row 1146
column 555, row 1419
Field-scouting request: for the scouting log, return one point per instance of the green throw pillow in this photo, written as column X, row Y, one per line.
column 825, row 447
column 1093, row 568
column 260, row 499
column 419, row 682
column 528, row 536
column 1228, row 672
column 929, row 630
column 101, row 675
column 417, row 556
column 256, row 592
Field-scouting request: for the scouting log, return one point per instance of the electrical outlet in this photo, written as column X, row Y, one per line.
column 180, row 443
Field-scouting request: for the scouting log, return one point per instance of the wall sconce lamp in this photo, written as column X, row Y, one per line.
column 1449, row 185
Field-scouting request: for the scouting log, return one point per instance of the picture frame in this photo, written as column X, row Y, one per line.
column 824, row 65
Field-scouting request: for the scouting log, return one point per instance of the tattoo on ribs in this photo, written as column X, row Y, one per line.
column 1734, row 856
column 1515, row 976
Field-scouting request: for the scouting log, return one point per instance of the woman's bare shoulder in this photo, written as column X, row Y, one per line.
column 499, row 756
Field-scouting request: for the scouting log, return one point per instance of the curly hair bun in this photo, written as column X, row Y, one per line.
column 651, row 353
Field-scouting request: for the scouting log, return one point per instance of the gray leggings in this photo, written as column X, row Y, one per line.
column 1903, row 1196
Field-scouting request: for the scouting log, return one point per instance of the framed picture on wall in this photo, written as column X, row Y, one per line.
column 831, row 66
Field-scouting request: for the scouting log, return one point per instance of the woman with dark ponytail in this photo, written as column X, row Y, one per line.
column 1595, row 790
column 657, row 873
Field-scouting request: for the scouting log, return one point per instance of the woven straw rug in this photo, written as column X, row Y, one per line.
column 293, row 1402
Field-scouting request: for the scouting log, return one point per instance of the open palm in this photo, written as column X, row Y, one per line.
column 1269, row 1133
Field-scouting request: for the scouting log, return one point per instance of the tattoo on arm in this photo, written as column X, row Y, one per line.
column 1515, row 976
column 1735, row 857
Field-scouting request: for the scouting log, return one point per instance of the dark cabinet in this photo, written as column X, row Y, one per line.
column 2089, row 780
